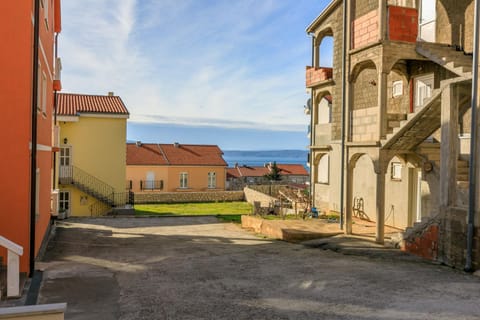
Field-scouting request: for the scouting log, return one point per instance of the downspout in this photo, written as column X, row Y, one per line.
column 344, row 108
column 33, row 159
column 55, row 101
column 310, row 160
column 473, row 144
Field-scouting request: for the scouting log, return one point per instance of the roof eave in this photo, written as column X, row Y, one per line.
column 325, row 13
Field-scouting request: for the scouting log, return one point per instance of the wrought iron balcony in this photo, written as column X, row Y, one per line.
column 151, row 185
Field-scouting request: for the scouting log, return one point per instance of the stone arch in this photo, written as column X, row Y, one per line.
column 452, row 22
column 321, row 172
column 322, row 49
column 322, row 107
column 359, row 67
column 363, row 186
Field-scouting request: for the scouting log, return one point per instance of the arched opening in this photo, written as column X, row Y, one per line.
column 322, row 168
column 364, row 106
column 326, row 52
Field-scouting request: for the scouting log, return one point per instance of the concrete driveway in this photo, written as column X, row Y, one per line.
column 199, row 268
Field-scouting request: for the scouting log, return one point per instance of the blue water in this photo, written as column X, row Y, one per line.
column 259, row 158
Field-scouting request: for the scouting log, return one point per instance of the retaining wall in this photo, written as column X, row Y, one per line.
column 185, row 197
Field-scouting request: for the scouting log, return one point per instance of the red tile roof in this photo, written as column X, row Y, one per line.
column 292, row 169
column 257, row 171
column 174, row 154
column 70, row 104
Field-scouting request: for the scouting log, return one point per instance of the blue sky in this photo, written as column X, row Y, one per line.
column 226, row 72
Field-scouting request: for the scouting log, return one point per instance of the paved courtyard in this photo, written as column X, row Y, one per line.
column 199, row 268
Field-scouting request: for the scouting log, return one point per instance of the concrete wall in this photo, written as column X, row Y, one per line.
column 252, row 195
column 397, row 197
column 185, row 197
column 455, row 23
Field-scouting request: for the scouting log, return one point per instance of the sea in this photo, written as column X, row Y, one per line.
column 259, row 158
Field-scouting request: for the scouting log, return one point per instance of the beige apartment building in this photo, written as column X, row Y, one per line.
column 391, row 118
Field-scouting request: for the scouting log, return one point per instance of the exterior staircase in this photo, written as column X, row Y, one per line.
column 448, row 57
column 422, row 124
column 71, row 175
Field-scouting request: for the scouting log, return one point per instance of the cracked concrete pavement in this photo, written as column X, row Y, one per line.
column 200, row 268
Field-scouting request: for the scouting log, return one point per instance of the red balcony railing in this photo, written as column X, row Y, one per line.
column 316, row 75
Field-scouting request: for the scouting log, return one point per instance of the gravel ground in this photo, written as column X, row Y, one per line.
column 199, row 268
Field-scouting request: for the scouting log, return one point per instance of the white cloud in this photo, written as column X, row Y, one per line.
column 218, row 63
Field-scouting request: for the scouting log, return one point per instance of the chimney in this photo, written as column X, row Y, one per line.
column 138, row 143
column 176, row 144
column 110, row 93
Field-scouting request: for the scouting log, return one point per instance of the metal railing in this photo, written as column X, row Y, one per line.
column 151, row 185
column 87, row 183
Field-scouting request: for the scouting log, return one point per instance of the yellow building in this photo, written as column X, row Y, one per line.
column 92, row 157
column 175, row 167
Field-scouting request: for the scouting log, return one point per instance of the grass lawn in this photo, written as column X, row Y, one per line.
column 221, row 209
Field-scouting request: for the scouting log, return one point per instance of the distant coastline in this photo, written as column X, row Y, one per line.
column 260, row 157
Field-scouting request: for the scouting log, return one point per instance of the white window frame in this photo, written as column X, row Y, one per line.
column 212, row 180
column 183, row 180
column 397, row 88
column 62, row 200
column 44, row 93
column 396, row 171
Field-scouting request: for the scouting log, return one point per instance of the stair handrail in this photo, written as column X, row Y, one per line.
column 79, row 176
column 11, row 246
column 14, row 251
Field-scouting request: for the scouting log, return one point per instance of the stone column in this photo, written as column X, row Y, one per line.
column 380, row 170
column 382, row 20
column 349, row 197
column 316, row 53
column 382, row 105
column 449, row 147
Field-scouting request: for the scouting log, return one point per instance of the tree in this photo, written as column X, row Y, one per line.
column 274, row 174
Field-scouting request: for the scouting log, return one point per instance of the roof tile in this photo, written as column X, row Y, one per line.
column 71, row 104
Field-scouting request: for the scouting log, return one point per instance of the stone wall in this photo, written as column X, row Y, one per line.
column 362, row 7
column 185, row 197
column 364, row 124
column 254, row 195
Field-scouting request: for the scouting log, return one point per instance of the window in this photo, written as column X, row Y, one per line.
column 39, row 87
column 323, row 169
column 212, row 180
column 397, row 88
column 184, row 180
column 64, row 201
column 44, row 93
column 396, row 171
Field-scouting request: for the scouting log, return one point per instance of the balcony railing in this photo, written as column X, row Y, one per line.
column 316, row 75
column 151, row 185
column 402, row 24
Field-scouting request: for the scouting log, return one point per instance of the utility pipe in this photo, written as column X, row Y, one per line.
column 473, row 144
column 310, row 160
column 344, row 108
column 33, row 158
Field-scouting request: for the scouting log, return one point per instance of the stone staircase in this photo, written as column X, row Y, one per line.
column 448, row 57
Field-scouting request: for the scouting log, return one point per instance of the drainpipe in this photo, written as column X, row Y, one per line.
column 55, row 101
column 310, row 160
column 473, row 144
column 344, row 108
column 33, row 158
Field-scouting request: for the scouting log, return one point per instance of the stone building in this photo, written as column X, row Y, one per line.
column 395, row 148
